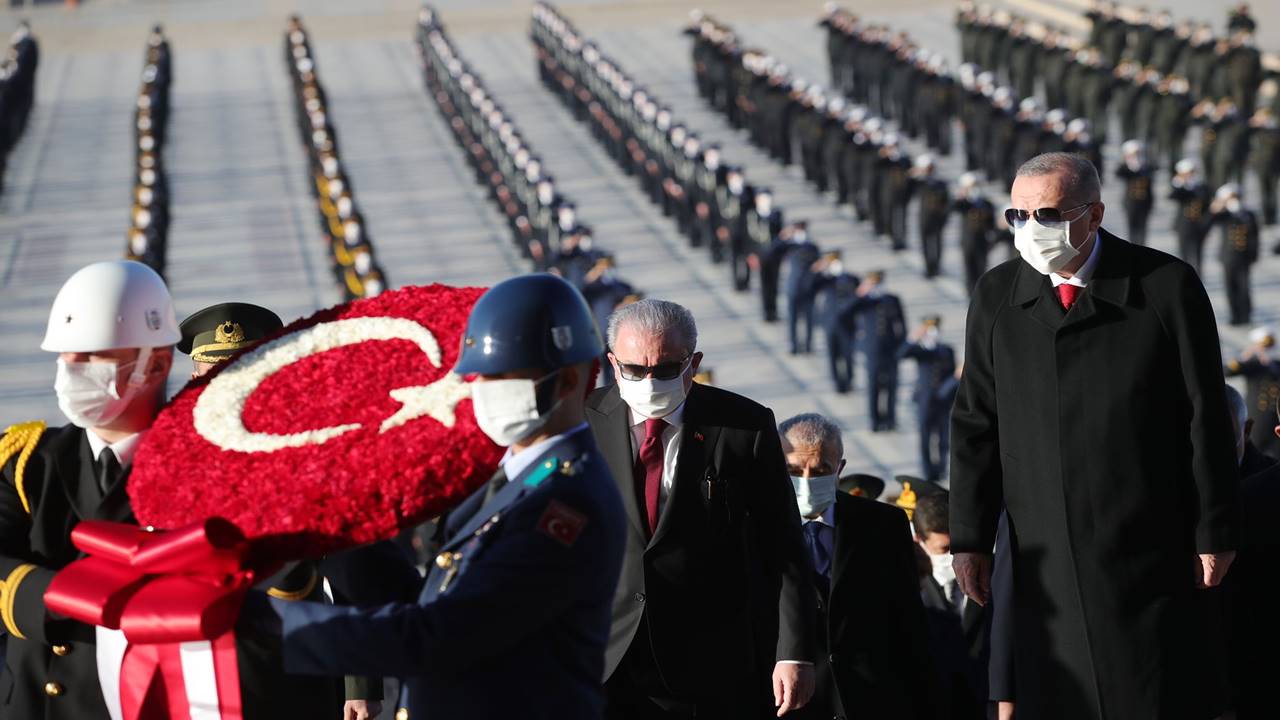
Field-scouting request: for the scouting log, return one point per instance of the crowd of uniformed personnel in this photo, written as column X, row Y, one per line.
column 147, row 239
column 17, row 89
column 544, row 222
column 709, row 199
column 342, row 225
column 1159, row 82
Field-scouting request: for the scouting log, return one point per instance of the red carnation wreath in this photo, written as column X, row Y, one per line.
column 338, row 430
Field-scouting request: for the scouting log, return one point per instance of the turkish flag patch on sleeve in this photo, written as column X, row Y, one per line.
column 562, row 523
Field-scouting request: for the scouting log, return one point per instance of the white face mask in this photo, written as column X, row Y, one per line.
column 835, row 268
column 1046, row 249
column 1233, row 205
column 87, row 392
column 507, row 410
column 799, row 236
column 545, row 194
column 930, row 338
column 566, row 219
column 814, row 494
column 653, row 398
column 735, row 185
column 943, row 571
column 351, row 233
column 764, row 205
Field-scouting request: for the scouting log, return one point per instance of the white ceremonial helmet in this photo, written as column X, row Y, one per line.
column 109, row 306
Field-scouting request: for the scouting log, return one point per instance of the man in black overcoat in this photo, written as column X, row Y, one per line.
column 1085, row 360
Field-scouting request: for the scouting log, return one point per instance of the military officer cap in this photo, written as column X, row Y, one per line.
column 862, row 485
column 217, row 332
column 932, row 320
column 876, row 276
column 921, row 487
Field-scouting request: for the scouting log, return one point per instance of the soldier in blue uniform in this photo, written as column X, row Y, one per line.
column 513, row 619
column 935, row 365
column 881, row 330
column 838, row 289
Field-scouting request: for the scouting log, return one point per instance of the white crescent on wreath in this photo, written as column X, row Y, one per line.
column 218, row 415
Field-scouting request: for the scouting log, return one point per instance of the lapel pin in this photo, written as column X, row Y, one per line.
column 697, row 436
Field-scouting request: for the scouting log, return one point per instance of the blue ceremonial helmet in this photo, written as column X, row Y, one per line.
column 530, row 321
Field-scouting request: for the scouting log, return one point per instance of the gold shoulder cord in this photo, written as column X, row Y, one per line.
column 300, row 594
column 8, row 594
column 20, row 440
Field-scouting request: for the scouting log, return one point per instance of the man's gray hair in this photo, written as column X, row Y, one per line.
column 812, row 430
column 1079, row 176
column 1239, row 409
column 652, row 317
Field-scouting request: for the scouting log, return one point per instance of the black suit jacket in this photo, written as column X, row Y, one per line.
column 724, row 583
column 873, row 657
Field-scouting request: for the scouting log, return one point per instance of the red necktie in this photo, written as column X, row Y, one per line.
column 649, row 469
column 1067, row 294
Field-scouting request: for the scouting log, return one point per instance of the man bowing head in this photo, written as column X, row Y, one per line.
column 1092, row 407
column 715, row 600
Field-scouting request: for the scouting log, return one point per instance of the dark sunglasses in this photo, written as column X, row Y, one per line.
column 1049, row 217
column 661, row 371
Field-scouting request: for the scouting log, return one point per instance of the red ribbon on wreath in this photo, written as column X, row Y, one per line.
column 161, row 589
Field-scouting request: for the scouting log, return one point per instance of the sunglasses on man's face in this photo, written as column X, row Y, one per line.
column 1049, row 217
column 661, row 371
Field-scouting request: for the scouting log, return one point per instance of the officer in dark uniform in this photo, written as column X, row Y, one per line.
column 1137, row 175
column 1239, row 249
column 1193, row 197
column 935, row 364
column 881, row 330
column 110, row 319
column 799, row 253
column 934, row 205
column 521, row 591
column 212, row 335
column 764, row 224
column 977, row 223
column 838, row 291
column 1261, row 372
column 1172, row 118
column 893, row 168
column 1264, row 157
column 732, row 202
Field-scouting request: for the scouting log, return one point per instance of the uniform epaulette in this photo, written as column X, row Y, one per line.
column 21, row 440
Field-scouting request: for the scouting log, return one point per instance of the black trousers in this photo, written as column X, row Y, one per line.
column 636, row 690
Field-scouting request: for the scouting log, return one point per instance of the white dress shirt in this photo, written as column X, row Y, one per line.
column 123, row 449
column 514, row 463
column 671, row 442
column 1085, row 273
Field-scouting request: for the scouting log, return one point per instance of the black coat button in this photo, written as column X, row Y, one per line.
column 638, row 597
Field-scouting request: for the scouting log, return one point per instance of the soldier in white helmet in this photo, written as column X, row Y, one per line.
column 112, row 327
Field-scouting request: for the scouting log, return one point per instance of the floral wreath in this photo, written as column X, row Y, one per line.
column 339, row 430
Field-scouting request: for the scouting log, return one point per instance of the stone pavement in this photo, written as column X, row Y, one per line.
column 243, row 224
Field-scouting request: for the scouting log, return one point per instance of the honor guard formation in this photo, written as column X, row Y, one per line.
column 993, row 427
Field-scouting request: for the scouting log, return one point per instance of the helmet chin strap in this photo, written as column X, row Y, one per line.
column 138, row 377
